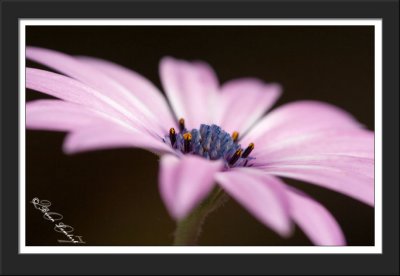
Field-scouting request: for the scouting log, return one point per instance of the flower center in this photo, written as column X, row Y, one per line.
column 210, row 142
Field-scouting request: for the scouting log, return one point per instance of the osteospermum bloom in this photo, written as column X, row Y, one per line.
column 214, row 136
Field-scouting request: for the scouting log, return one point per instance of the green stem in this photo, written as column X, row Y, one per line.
column 188, row 230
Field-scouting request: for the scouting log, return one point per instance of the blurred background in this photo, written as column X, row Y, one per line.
column 111, row 197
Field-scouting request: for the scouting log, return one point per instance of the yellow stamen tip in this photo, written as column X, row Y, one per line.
column 251, row 145
column 187, row 136
column 172, row 130
column 235, row 136
column 181, row 124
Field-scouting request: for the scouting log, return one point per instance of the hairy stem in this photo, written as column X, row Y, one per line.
column 188, row 230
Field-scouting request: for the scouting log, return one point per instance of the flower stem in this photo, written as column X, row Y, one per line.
column 188, row 230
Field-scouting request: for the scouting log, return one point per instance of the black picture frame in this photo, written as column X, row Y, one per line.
column 13, row 263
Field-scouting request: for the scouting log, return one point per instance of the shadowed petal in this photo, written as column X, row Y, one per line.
column 314, row 219
column 110, row 137
column 191, row 89
column 350, row 183
column 65, row 116
column 95, row 79
column 185, row 182
column 243, row 102
column 262, row 195
column 142, row 88
column 298, row 118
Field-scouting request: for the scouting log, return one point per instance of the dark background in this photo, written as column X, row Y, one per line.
column 111, row 197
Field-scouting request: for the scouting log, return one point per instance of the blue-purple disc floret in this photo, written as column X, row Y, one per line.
column 210, row 142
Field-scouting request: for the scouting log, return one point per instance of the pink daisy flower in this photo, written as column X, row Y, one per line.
column 215, row 140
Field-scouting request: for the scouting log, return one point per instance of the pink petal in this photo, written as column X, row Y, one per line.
column 64, row 116
column 243, row 102
column 262, row 195
column 185, row 182
column 298, row 118
column 314, row 219
column 76, row 92
column 110, row 137
column 142, row 88
column 343, row 163
column 347, row 182
column 191, row 89
column 95, row 79
column 357, row 143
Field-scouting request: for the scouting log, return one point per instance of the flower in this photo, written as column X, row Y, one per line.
column 215, row 135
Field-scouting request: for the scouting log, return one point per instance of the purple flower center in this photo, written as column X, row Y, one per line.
column 210, row 142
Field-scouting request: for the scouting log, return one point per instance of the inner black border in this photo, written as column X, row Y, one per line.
column 13, row 263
